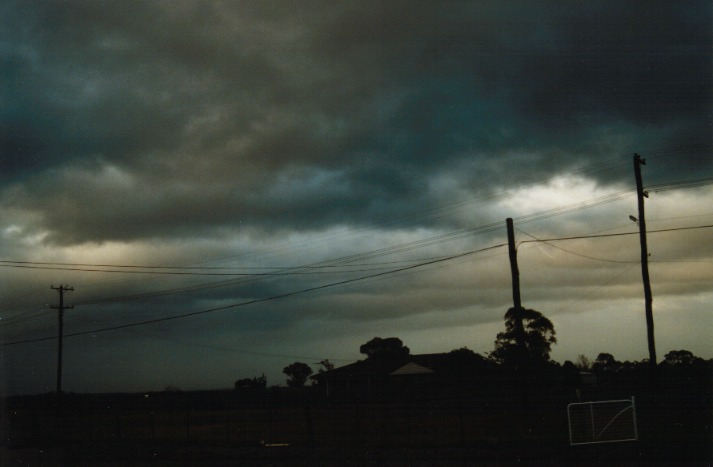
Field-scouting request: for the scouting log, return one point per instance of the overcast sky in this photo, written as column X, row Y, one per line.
column 303, row 176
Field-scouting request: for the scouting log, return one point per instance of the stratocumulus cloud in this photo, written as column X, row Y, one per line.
column 272, row 135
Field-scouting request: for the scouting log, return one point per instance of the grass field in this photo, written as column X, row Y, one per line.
column 301, row 428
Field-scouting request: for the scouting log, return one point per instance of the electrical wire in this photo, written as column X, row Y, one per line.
column 342, row 262
column 371, row 276
column 299, row 270
column 581, row 255
column 579, row 237
column 609, row 281
column 252, row 302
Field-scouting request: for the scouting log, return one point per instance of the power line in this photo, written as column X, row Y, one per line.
column 346, row 261
column 259, row 300
column 609, row 281
column 548, row 242
column 579, row 237
column 693, row 183
column 347, row 281
column 181, row 268
column 19, row 319
column 250, row 352
column 9, row 264
column 343, row 261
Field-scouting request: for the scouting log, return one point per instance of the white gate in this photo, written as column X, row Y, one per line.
column 602, row 422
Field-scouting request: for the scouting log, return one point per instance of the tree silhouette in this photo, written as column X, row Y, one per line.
column 464, row 354
column 583, row 363
column 297, row 373
column 382, row 349
column 251, row 386
column 606, row 362
column 538, row 337
column 326, row 366
column 680, row 357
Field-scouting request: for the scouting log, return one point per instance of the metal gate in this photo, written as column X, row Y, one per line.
column 602, row 422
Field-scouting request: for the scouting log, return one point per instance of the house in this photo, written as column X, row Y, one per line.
column 385, row 378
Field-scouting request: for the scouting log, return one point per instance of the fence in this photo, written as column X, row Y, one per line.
column 602, row 422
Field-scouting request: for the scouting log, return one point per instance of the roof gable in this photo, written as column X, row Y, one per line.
column 411, row 368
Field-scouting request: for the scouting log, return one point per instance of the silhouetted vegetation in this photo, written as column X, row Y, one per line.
column 297, row 373
column 391, row 348
column 681, row 357
column 393, row 406
column 251, row 386
column 538, row 338
column 326, row 365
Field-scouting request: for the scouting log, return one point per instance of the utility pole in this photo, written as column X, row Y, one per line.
column 60, row 308
column 522, row 418
column 640, row 193
column 515, row 272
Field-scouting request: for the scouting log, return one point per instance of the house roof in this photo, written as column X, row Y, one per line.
column 363, row 369
column 410, row 364
column 411, row 368
column 451, row 363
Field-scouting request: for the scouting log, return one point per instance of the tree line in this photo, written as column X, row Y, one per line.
column 520, row 346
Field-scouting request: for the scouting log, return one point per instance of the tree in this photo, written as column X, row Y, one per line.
column 382, row 349
column 680, row 357
column 583, row 363
column 538, row 337
column 463, row 353
column 251, row 386
column 297, row 373
column 464, row 357
column 326, row 366
column 606, row 362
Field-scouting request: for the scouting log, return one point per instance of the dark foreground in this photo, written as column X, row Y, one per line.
column 176, row 454
column 461, row 425
column 133, row 431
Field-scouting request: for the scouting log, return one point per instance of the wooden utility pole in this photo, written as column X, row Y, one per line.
column 515, row 272
column 640, row 193
column 522, row 417
column 60, row 309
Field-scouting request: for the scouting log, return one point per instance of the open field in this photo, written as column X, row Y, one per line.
column 219, row 428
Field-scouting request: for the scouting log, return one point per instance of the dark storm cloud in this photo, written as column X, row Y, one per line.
column 647, row 64
column 130, row 120
column 641, row 60
column 274, row 134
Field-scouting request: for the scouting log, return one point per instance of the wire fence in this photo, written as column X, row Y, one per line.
column 602, row 422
